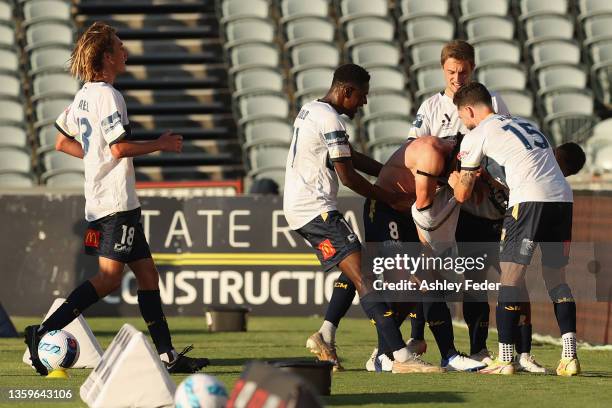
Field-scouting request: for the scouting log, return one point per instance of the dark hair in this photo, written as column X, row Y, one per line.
column 459, row 50
column 350, row 74
column 573, row 157
column 473, row 93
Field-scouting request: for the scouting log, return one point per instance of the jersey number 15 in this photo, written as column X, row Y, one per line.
column 526, row 131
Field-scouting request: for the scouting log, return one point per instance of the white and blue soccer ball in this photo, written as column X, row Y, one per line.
column 200, row 391
column 58, row 349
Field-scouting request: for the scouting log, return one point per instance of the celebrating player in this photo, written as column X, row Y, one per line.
column 539, row 212
column 95, row 128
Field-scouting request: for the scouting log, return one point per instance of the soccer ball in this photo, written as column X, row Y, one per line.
column 58, row 349
column 200, row 391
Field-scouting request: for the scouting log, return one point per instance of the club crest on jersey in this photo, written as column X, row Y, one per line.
column 92, row 238
column 461, row 155
column 418, row 121
column 327, row 249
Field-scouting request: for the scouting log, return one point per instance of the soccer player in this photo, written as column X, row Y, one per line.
column 319, row 154
column 95, row 128
column 418, row 167
column 539, row 212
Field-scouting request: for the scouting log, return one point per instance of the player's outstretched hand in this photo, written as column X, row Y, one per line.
column 453, row 179
column 171, row 142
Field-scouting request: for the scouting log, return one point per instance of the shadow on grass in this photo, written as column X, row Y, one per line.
column 596, row 374
column 394, row 398
column 242, row 361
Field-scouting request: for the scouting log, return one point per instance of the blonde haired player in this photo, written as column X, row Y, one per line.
column 95, row 128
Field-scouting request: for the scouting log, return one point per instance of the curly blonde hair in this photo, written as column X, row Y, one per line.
column 87, row 58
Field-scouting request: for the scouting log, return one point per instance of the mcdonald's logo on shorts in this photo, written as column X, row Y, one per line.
column 92, row 238
column 327, row 249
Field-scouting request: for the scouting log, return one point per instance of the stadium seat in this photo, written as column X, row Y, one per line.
column 352, row 9
column 497, row 51
column 369, row 29
column 269, row 132
column 593, row 8
column 519, row 103
column 489, row 28
column 257, row 79
column 382, row 152
column 547, row 27
column 560, row 78
column 6, row 12
column 47, row 110
column 13, row 136
column 387, row 130
column 531, row 8
column 429, row 80
column 386, row 79
column 49, row 34
column 597, row 29
column 601, row 71
column 308, row 80
column 9, row 62
column 278, row 176
column 11, row 113
column 248, row 30
column 554, row 52
column 54, row 85
column 10, row 86
column 603, row 159
column 49, row 59
column 66, row 180
column 256, row 107
column 375, row 53
column 502, row 77
column 427, row 29
column 59, row 163
column 471, row 9
column 7, row 36
column 264, row 157
column 295, row 9
column 309, row 29
column 602, row 136
column 16, row 180
column 253, row 55
column 569, row 116
column 425, row 54
column 313, row 55
column 46, row 10
column 15, row 160
column 386, row 104
column 46, row 138
column 411, row 9
column 236, row 9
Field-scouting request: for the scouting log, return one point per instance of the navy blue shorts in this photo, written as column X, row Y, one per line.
column 117, row 236
column 331, row 237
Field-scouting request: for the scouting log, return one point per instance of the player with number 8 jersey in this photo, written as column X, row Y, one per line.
column 95, row 128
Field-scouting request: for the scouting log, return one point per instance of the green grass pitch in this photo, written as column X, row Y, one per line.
column 280, row 337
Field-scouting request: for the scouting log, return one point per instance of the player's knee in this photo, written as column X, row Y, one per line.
column 561, row 294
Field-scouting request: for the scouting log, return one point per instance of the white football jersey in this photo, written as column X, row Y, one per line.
column 532, row 172
column 311, row 182
column 97, row 118
column 437, row 116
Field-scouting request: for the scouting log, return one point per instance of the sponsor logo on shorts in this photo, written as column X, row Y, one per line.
column 341, row 285
column 327, row 249
column 122, row 247
column 92, row 238
column 352, row 238
column 527, row 247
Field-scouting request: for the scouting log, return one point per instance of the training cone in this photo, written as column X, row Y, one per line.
column 57, row 374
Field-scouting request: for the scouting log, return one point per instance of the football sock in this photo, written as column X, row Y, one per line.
column 507, row 314
column 80, row 299
column 439, row 320
column 565, row 308
column 384, row 320
column 341, row 300
column 506, row 352
column 149, row 302
column 328, row 331
column 522, row 342
column 476, row 316
column 417, row 322
column 569, row 345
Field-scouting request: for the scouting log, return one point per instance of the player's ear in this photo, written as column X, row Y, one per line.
column 348, row 91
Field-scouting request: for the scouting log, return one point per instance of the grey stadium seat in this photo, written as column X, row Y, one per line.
column 548, row 27
column 569, row 115
column 54, row 85
column 294, row 9
column 66, row 180
column 11, row 112
column 7, row 36
column 314, row 54
column 386, row 79
column 503, row 76
column 426, row 53
column 519, row 103
column 275, row 132
column 46, row 138
column 497, row 51
column 10, row 86
column 411, row 9
column 386, row 104
column 9, row 62
column 248, row 30
column 560, row 77
column 490, row 28
column 601, row 71
column 309, row 29
column 593, row 8
column 13, row 136
column 315, row 81
column 471, row 9
column 352, row 9
column 382, row 152
column 602, row 136
column 16, row 180
column 597, row 29
column 375, row 53
column 554, row 52
column 428, row 29
column 388, row 130
column 47, row 110
column 530, row 8
column 60, row 163
column 46, row 10
column 262, row 106
column 6, row 12
column 236, row 9
column 278, row 176
column 49, row 34
column 257, row 79
column 429, row 80
column 264, row 157
column 15, row 160
column 603, row 159
column 49, row 59
column 253, row 55
column 369, row 29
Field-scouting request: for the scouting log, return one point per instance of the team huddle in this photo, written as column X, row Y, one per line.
column 467, row 173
